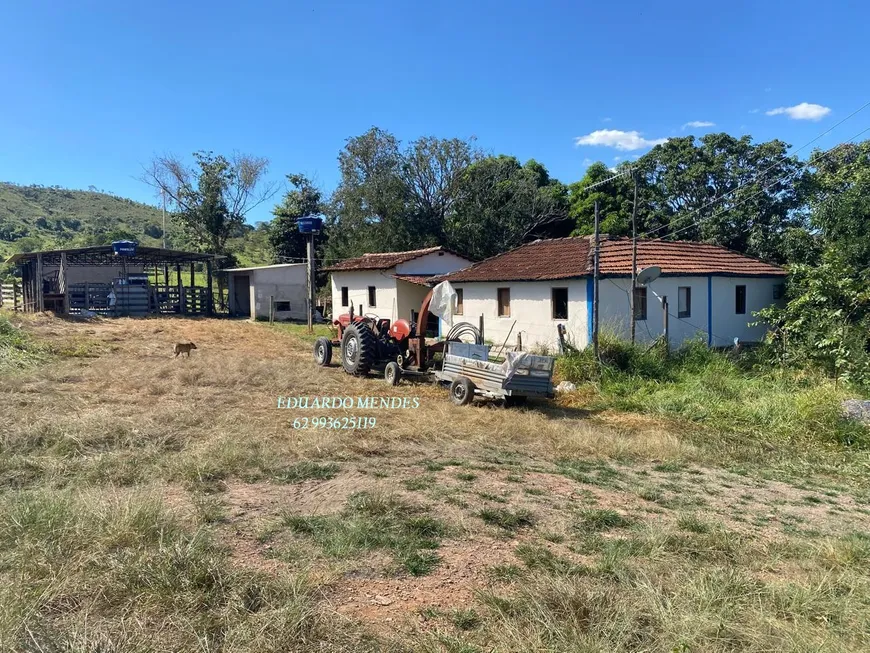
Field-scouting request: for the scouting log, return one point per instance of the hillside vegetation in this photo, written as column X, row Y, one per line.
column 34, row 217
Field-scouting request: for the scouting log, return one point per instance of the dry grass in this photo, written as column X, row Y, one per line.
column 158, row 504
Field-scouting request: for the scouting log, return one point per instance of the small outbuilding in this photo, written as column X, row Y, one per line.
column 277, row 291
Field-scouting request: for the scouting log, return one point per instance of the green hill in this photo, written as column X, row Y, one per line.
column 38, row 217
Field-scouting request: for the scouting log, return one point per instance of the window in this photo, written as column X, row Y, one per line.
column 740, row 300
column 282, row 306
column 778, row 291
column 344, row 300
column 504, row 302
column 373, row 296
column 684, row 301
column 640, row 303
column 459, row 306
column 559, row 303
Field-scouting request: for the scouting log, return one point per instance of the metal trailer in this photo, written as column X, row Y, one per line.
column 469, row 373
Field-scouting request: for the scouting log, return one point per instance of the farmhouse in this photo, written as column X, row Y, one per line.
column 390, row 285
column 712, row 292
column 279, row 291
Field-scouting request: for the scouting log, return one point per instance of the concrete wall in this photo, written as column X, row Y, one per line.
column 432, row 264
column 286, row 283
column 530, row 308
column 357, row 283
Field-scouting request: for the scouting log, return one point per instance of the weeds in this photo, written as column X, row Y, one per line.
column 371, row 521
column 507, row 519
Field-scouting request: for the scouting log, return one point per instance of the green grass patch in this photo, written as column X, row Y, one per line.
column 306, row 470
column 602, row 519
column 506, row 519
column 369, row 522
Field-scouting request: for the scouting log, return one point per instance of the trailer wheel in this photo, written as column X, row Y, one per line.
column 393, row 373
column 323, row 351
column 358, row 347
column 461, row 391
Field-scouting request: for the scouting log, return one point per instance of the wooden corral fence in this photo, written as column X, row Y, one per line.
column 10, row 296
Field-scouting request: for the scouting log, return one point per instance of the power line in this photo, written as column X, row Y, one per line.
column 764, row 188
column 763, row 172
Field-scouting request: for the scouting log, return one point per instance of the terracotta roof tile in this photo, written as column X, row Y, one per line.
column 565, row 258
column 381, row 261
column 413, row 278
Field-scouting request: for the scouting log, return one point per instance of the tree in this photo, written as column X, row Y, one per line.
column 614, row 198
column 826, row 320
column 285, row 241
column 723, row 190
column 391, row 198
column 211, row 198
column 839, row 189
column 503, row 204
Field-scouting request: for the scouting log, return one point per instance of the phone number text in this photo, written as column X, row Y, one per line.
column 335, row 423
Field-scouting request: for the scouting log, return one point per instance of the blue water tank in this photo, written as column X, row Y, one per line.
column 124, row 247
column 309, row 225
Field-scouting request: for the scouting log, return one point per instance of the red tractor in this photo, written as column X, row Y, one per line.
column 369, row 343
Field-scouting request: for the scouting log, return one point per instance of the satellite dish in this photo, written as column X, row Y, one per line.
column 647, row 275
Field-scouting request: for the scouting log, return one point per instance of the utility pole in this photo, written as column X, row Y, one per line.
column 633, row 259
column 312, row 289
column 595, row 293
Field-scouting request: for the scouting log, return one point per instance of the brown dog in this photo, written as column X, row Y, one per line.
column 184, row 348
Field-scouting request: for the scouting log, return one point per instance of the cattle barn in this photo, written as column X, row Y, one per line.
column 114, row 280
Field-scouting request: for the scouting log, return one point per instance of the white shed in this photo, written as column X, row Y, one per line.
column 390, row 284
column 252, row 289
column 712, row 292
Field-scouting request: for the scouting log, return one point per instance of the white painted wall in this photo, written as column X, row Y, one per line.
column 409, row 296
column 358, row 282
column 432, row 264
column 531, row 310
column 726, row 324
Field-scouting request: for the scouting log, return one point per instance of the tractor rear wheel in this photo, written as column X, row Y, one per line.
column 358, row 349
column 323, row 351
column 461, row 391
column 393, row 373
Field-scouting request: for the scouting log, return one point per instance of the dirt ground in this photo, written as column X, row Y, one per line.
column 221, row 438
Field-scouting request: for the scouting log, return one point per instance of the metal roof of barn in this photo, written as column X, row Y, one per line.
column 105, row 255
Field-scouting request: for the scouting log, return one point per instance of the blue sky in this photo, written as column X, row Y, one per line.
column 92, row 90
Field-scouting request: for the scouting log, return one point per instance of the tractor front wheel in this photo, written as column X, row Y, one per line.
column 323, row 351
column 392, row 373
column 358, row 347
column 461, row 391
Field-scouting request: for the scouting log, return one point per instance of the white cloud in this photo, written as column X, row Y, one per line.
column 619, row 139
column 588, row 162
column 697, row 124
column 617, row 158
column 802, row 111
